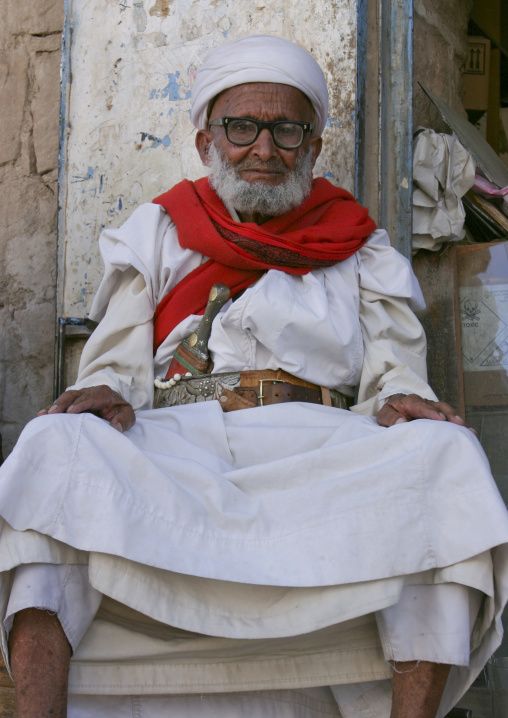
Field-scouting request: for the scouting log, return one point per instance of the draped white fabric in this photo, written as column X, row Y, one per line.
column 278, row 524
column 346, row 325
column 304, row 703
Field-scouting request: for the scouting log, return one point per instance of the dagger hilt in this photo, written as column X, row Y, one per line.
column 191, row 357
column 198, row 341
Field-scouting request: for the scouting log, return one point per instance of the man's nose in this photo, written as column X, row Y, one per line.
column 264, row 146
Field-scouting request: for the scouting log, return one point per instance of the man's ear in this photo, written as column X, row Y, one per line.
column 203, row 142
column 316, row 144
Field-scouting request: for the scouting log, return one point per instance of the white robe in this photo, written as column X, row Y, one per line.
column 273, row 534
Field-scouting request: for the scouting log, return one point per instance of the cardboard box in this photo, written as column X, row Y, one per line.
column 483, row 297
column 476, row 74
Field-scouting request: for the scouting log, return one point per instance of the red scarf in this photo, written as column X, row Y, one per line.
column 327, row 228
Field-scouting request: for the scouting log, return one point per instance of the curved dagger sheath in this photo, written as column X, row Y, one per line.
column 192, row 354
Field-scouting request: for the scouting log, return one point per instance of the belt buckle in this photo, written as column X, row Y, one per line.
column 261, row 381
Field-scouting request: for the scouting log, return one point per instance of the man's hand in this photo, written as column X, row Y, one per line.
column 100, row 400
column 401, row 408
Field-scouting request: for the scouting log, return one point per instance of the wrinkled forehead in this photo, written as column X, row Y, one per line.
column 262, row 100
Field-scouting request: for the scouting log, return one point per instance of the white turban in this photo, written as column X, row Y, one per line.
column 259, row 58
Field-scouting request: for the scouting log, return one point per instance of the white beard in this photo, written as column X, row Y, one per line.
column 262, row 197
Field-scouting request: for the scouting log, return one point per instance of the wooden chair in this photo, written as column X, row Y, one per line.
column 7, row 703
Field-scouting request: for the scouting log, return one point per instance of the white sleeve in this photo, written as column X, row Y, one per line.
column 143, row 261
column 147, row 241
column 394, row 341
column 120, row 351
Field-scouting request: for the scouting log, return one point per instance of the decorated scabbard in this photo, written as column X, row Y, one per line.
column 192, row 356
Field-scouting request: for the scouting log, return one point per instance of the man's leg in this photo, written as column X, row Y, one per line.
column 417, row 688
column 434, row 622
column 50, row 609
column 40, row 655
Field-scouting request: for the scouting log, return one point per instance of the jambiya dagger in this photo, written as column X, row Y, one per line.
column 191, row 357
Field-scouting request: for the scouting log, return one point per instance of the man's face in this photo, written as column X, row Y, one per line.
column 262, row 161
column 260, row 180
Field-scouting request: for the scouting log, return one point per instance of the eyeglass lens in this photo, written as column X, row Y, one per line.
column 243, row 132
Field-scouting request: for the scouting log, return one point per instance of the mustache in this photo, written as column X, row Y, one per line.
column 252, row 163
column 272, row 164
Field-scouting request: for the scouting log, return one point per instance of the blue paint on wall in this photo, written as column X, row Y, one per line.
column 172, row 89
column 175, row 90
column 334, row 122
column 84, row 178
column 157, row 141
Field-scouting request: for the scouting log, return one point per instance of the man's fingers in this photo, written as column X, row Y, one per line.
column 450, row 414
column 60, row 405
column 86, row 403
column 413, row 406
column 121, row 418
column 101, row 400
column 388, row 416
column 400, row 408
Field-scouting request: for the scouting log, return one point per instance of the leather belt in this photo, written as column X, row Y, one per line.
column 247, row 389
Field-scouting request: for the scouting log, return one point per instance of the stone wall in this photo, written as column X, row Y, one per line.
column 30, row 34
column 29, row 110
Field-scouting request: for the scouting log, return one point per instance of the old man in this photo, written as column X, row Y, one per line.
column 289, row 531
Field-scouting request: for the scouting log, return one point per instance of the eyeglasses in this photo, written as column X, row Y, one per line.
column 244, row 131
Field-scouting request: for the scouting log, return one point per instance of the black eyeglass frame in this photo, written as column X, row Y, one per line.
column 260, row 125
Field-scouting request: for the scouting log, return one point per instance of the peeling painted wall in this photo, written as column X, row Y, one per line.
column 129, row 135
